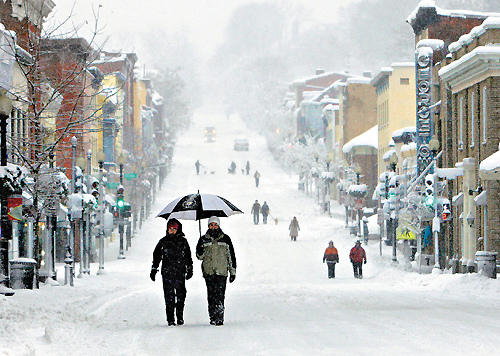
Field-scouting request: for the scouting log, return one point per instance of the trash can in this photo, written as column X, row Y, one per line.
column 22, row 273
column 486, row 263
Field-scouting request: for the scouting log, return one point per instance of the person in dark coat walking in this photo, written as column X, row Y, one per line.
column 358, row 257
column 216, row 252
column 248, row 167
column 176, row 266
column 256, row 212
column 331, row 257
column 197, row 165
column 265, row 212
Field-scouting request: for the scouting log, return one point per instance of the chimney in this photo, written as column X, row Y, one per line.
column 320, row 71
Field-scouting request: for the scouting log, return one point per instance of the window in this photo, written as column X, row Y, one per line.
column 461, row 125
column 484, row 113
column 404, row 81
column 472, row 118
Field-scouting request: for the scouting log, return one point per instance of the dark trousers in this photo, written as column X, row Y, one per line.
column 256, row 218
column 358, row 269
column 257, row 182
column 174, row 290
column 264, row 219
column 216, row 291
column 331, row 269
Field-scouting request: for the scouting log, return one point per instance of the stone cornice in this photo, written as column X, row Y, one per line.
column 474, row 67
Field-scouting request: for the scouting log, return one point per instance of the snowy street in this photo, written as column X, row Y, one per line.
column 281, row 303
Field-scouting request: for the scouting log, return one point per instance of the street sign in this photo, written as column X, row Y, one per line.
column 404, row 232
column 130, row 176
column 113, row 185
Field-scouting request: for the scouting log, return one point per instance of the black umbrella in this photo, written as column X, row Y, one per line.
column 198, row 206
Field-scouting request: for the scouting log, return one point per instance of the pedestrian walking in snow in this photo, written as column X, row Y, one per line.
column 256, row 211
column 176, row 267
column 232, row 168
column 216, row 252
column 331, row 257
column 248, row 167
column 265, row 212
column 197, row 165
column 257, row 178
column 294, row 228
column 358, row 257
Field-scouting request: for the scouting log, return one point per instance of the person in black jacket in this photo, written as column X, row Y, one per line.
column 176, row 266
column 216, row 252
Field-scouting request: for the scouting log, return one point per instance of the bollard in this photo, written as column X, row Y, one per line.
column 68, row 269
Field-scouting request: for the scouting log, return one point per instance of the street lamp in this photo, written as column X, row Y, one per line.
column 436, row 222
column 100, row 159
column 5, row 111
column 121, row 220
column 393, row 161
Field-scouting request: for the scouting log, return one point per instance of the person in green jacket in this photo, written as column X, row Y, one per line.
column 216, row 252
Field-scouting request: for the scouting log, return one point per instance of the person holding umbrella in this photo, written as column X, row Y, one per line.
column 176, row 267
column 216, row 252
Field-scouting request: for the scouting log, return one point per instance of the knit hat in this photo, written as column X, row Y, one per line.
column 214, row 219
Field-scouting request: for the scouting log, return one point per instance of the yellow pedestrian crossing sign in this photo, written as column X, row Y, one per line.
column 404, row 232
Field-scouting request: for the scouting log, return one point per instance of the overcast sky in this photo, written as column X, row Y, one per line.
column 203, row 21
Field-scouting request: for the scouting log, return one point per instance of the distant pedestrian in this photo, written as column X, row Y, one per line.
column 216, row 252
column 248, row 167
column 197, row 165
column 265, row 212
column 257, row 178
column 256, row 212
column 176, row 266
column 232, row 168
column 358, row 257
column 331, row 257
column 294, row 228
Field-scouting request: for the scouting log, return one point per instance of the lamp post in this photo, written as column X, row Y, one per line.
column 434, row 147
column 100, row 158
column 393, row 161
column 81, row 162
column 121, row 220
column 357, row 170
column 5, row 111
column 87, row 221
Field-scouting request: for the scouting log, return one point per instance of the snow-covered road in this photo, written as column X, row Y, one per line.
column 282, row 302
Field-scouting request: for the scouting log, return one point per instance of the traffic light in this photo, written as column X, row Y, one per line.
column 447, row 213
column 430, row 190
column 95, row 189
column 120, row 200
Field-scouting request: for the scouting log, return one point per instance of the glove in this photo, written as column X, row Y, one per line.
column 323, row 260
column 152, row 275
column 365, row 262
column 189, row 274
column 352, row 261
column 232, row 278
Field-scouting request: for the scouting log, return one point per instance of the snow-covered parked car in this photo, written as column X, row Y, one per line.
column 241, row 144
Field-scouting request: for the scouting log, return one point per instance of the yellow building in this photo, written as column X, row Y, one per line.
column 396, row 105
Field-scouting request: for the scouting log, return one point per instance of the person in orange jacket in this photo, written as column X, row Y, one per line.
column 358, row 257
column 331, row 257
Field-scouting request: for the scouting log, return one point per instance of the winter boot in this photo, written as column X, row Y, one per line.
column 180, row 316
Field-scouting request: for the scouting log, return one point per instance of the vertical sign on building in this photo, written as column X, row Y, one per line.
column 423, row 67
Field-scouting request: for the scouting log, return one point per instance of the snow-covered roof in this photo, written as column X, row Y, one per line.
column 449, row 13
column 490, row 23
column 412, row 146
column 358, row 80
column 367, row 138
